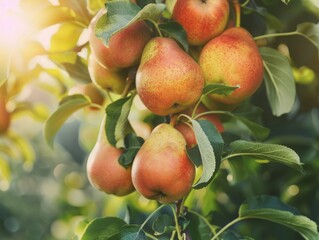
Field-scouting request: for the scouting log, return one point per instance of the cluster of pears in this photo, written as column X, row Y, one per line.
column 169, row 81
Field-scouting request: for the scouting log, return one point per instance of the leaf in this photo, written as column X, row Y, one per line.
column 264, row 151
column 116, row 122
column 5, row 171
column 194, row 154
column 132, row 145
column 279, row 80
column 176, row 31
column 69, row 31
column 216, row 88
column 68, row 106
column 163, row 224
column 311, row 32
column 129, row 232
column 121, row 14
column 198, row 227
column 258, row 131
column 210, row 144
column 103, row 228
column 286, row 1
column 272, row 209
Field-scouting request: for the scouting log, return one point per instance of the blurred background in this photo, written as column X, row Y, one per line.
column 44, row 191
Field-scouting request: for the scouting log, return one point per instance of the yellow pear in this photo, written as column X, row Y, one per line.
column 103, row 169
column 105, row 78
column 168, row 80
column 161, row 169
column 232, row 59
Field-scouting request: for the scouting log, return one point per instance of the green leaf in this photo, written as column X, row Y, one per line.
column 176, row 31
column 279, row 80
column 163, row 224
column 103, row 228
column 264, row 151
column 286, row 1
column 5, row 171
column 116, row 123
column 121, row 14
column 210, row 144
column 258, row 131
column 132, row 145
column 68, row 106
column 311, row 32
column 217, row 88
column 194, row 155
column 130, row 232
column 198, row 227
column 272, row 209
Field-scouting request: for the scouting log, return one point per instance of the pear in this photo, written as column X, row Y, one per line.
column 103, row 169
column 233, row 59
column 201, row 19
column 89, row 90
column 161, row 169
column 125, row 47
column 5, row 117
column 168, row 80
column 105, row 78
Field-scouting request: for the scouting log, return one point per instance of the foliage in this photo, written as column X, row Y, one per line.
column 242, row 173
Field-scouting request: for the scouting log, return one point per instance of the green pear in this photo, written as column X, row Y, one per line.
column 168, row 80
column 233, row 59
column 5, row 116
column 104, row 170
column 201, row 19
column 161, row 169
column 113, row 81
column 125, row 47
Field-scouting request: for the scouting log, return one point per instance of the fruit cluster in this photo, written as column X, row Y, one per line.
column 170, row 81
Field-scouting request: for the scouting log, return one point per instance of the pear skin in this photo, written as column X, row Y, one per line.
column 233, row 59
column 201, row 19
column 104, row 171
column 125, row 47
column 105, row 78
column 168, row 80
column 89, row 90
column 5, row 117
column 161, row 169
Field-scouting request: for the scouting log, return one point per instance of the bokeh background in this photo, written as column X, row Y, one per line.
column 44, row 191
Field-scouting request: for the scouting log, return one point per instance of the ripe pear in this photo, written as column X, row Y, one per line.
column 201, row 19
column 5, row 117
column 125, row 47
column 168, row 80
column 103, row 169
column 233, row 59
column 89, row 90
column 161, row 169
column 105, row 78
column 187, row 130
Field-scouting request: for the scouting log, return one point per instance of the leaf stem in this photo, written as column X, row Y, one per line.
column 179, row 236
column 156, row 27
column 270, row 35
column 226, row 227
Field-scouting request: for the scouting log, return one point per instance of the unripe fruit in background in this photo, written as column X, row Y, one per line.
column 5, row 117
column 104, row 171
column 103, row 77
column 168, row 80
column 233, row 59
column 161, row 169
column 125, row 47
column 187, row 130
column 201, row 19
column 89, row 90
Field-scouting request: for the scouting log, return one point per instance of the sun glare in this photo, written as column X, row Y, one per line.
column 13, row 28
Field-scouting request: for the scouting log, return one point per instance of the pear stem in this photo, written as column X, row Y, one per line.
column 236, row 6
column 179, row 236
column 130, row 80
column 156, row 27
